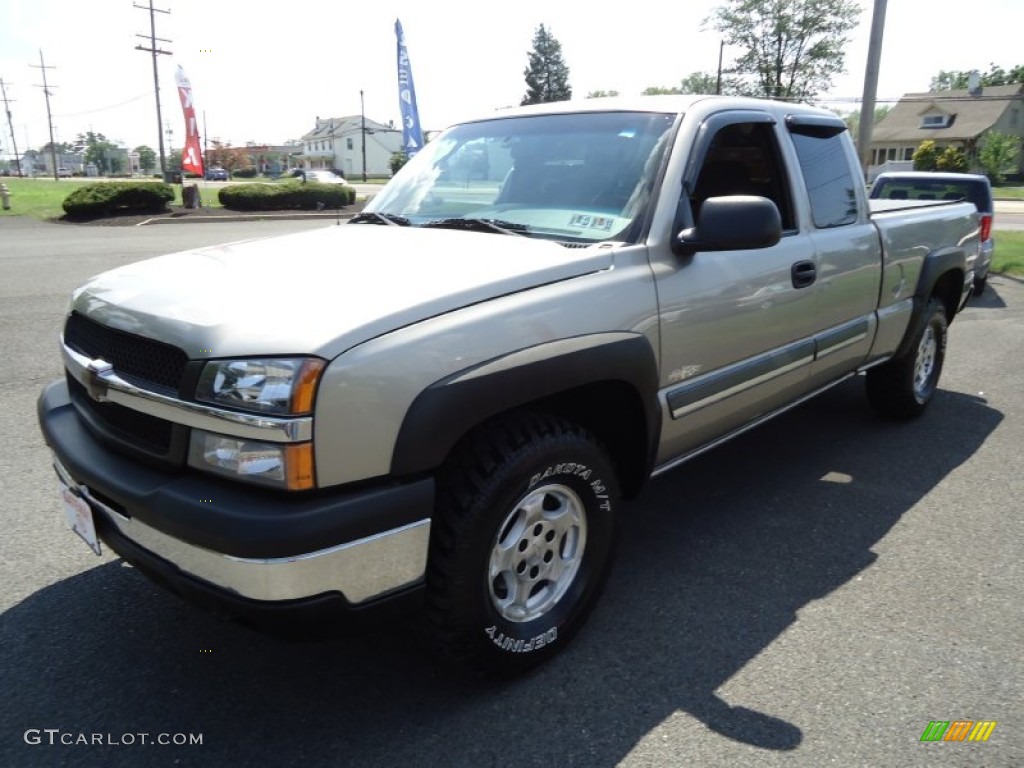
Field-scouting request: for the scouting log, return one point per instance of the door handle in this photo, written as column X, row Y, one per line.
column 804, row 273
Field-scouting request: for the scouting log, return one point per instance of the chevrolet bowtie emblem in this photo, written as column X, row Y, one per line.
column 95, row 379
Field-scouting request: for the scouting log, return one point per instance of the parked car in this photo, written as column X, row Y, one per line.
column 63, row 173
column 926, row 185
column 216, row 174
column 325, row 177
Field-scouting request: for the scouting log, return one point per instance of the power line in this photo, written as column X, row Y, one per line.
column 49, row 117
column 103, row 109
column 156, row 76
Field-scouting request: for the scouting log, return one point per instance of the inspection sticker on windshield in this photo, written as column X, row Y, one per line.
column 591, row 222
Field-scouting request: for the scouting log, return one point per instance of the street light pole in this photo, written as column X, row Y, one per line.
column 362, row 115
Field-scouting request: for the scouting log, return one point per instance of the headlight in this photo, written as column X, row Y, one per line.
column 280, row 385
column 288, row 466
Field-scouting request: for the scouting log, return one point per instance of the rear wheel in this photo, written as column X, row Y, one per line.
column 980, row 283
column 521, row 544
column 903, row 387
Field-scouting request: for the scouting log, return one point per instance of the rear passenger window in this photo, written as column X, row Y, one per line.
column 826, row 172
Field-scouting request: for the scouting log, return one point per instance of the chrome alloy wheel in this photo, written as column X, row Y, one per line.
column 537, row 552
column 924, row 365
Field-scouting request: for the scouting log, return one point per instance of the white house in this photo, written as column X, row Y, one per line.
column 338, row 143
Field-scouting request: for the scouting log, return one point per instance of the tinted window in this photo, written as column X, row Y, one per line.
column 830, row 184
column 743, row 159
column 973, row 191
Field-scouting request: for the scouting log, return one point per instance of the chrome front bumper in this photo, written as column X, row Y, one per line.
column 360, row 570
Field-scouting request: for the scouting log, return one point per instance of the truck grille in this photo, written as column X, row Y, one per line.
column 139, row 430
column 142, row 361
column 149, row 364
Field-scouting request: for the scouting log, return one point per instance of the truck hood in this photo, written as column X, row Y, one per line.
column 321, row 292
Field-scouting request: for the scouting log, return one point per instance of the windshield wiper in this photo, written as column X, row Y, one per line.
column 373, row 217
column 480, row 225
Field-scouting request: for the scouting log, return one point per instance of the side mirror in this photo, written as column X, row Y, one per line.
column 733, row 223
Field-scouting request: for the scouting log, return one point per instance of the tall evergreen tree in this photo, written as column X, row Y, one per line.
column 547, row 76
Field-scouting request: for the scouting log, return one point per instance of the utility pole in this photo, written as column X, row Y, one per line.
column 156, row 75
column 362, row 115
column 49, row 118
column 718, row 82
column 10, row 124
column 867, row 102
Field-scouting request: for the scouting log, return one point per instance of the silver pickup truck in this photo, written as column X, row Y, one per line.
column 445, row 398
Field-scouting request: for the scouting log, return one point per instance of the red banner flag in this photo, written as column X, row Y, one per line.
column 191, row 156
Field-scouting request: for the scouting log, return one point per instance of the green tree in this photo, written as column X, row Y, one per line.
column 791, row 48
column 547, row 75
column 997, row 155
column 956, row 80
column 658, row 90
column 926, row 156
column 398, row 159
column 852, row 119
column 147, row 158
column 223, row 155
column 173, row 164
column 97, row 150
column 62, row 147
column 952, row 159
column 699, row 82
column 602, row 94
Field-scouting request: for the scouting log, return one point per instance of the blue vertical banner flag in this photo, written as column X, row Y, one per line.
column 412, row 133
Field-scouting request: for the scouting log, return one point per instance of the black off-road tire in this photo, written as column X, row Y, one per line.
column 521, row 543
column 903, row 387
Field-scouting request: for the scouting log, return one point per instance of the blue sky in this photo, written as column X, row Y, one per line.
column 263, row 72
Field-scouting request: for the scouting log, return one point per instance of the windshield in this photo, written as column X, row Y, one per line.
column 579, row 177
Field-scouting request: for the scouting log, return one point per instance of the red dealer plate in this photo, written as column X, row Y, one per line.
column 79, row 517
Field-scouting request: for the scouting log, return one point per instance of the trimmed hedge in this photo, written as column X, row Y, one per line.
column 287, row 196
column 109, row 198
column 244, row 173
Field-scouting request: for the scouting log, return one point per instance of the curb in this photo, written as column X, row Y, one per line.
column 245, row 217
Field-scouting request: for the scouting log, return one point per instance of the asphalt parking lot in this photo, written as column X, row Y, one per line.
column 813, row 593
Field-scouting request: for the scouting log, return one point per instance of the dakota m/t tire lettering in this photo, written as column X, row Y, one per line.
column 521, row 544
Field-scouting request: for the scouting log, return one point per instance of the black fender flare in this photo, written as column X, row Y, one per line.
column 446, row 410
column 936, row 264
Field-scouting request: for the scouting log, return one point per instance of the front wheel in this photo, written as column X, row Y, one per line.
column 521, row 544
column 903, row 387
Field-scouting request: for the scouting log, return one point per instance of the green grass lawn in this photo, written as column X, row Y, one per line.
column 1008, row 193
column 42, row 198
column 1009, row 254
